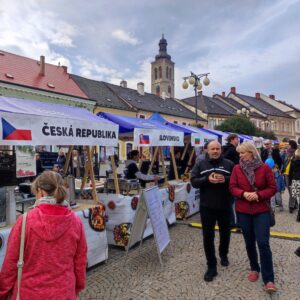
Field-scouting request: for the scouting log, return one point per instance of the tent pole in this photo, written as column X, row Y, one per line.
column 174, row 163
column 86, row 173
column 114, row 169
column 153, row 160
column 190, row 161
column 91, row 169
column 162, row 159
column 185, row 150
column 67, row 163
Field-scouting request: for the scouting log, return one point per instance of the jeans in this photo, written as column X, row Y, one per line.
column 292, row 201
column 256, row 229
column 209, row 217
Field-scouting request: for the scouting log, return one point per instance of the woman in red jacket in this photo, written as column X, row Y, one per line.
column 252, row 183
column 55, row 250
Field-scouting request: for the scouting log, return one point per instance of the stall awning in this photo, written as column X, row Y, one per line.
column 145, row 132
column 28, row 122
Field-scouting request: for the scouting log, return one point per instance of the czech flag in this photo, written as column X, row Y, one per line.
column 10, row 133
column 197, row 141
column 144, row 139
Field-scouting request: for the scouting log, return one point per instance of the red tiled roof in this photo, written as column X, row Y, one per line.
column 16, row 69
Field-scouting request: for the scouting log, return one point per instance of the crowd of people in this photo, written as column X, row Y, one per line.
column 235, row 176
column 251, row 181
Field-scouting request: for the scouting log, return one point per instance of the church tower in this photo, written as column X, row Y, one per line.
column 162, row 72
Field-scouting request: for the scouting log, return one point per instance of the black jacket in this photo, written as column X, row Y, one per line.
column 275, row 155
column 294, row 173
column 215, row 196
column 229, row 152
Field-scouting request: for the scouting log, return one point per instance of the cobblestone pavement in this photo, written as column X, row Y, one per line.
column 141, row 277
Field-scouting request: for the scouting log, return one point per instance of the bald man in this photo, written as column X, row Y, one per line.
column 211, row 175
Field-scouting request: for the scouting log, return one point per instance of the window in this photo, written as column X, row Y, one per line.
column 159, row 72
column 158, row 90
column 142, row 117
column 175, row 122
column 298, row 125
column 170, row 73
column 282, row 126
column 155, row 73
column 169, row 90
column 183, row 123
column 167, row 72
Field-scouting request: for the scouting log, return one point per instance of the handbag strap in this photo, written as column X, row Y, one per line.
column 21, row 254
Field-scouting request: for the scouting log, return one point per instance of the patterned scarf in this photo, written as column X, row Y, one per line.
column 248, row 168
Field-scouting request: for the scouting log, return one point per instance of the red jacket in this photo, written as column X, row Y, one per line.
column 264, row 183
column 54, row 258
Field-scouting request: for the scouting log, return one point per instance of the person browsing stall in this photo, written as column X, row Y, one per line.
column 133, row 171
column 55, row 252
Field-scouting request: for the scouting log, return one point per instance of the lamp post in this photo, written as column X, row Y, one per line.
column 195, row 81
column 245, row 111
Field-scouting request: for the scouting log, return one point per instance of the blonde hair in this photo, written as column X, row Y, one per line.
column 297, row 153
column 248, row 147
column 52, row 183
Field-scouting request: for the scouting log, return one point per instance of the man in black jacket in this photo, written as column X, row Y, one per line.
column 212, row 176
column 268, row 152
column 229, row 150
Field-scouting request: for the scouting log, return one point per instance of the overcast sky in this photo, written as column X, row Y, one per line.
column 253, row 45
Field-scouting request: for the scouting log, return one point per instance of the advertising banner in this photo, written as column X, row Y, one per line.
column 20, row 129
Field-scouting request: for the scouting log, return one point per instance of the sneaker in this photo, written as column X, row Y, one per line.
column 253, row 276
column 270, row 287
column 224, row 261
column 210, row 274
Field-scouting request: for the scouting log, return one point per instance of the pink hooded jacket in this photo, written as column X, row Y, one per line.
column 55, row 256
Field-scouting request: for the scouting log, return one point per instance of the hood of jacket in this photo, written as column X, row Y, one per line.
column 50, row 221
column 226, row 147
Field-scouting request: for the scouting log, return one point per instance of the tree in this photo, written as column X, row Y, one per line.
column 238, row 124
column 242, row 125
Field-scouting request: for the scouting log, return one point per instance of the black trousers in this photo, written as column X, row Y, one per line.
column 209, row 218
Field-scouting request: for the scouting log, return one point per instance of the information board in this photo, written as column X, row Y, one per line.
column 157, row 218
column 150, row 204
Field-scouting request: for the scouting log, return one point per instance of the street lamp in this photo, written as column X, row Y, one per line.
column 194, row 80
column 244, row 111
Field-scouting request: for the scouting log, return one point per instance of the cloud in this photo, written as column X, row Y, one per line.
column 91, row 69
column 124, row 36
column 27, row 30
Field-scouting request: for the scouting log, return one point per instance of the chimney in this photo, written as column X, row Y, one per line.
column 123, row 83
column 65, row 69
column 233, row 90
column 140, row 88
column 42, row 65
column 272, row 97
column 164, row 95
column 257, row 96
column 223, row 94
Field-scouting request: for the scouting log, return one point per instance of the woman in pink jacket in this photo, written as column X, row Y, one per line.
column 55, row 252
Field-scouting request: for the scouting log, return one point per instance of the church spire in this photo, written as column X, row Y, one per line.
column 163, row 49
